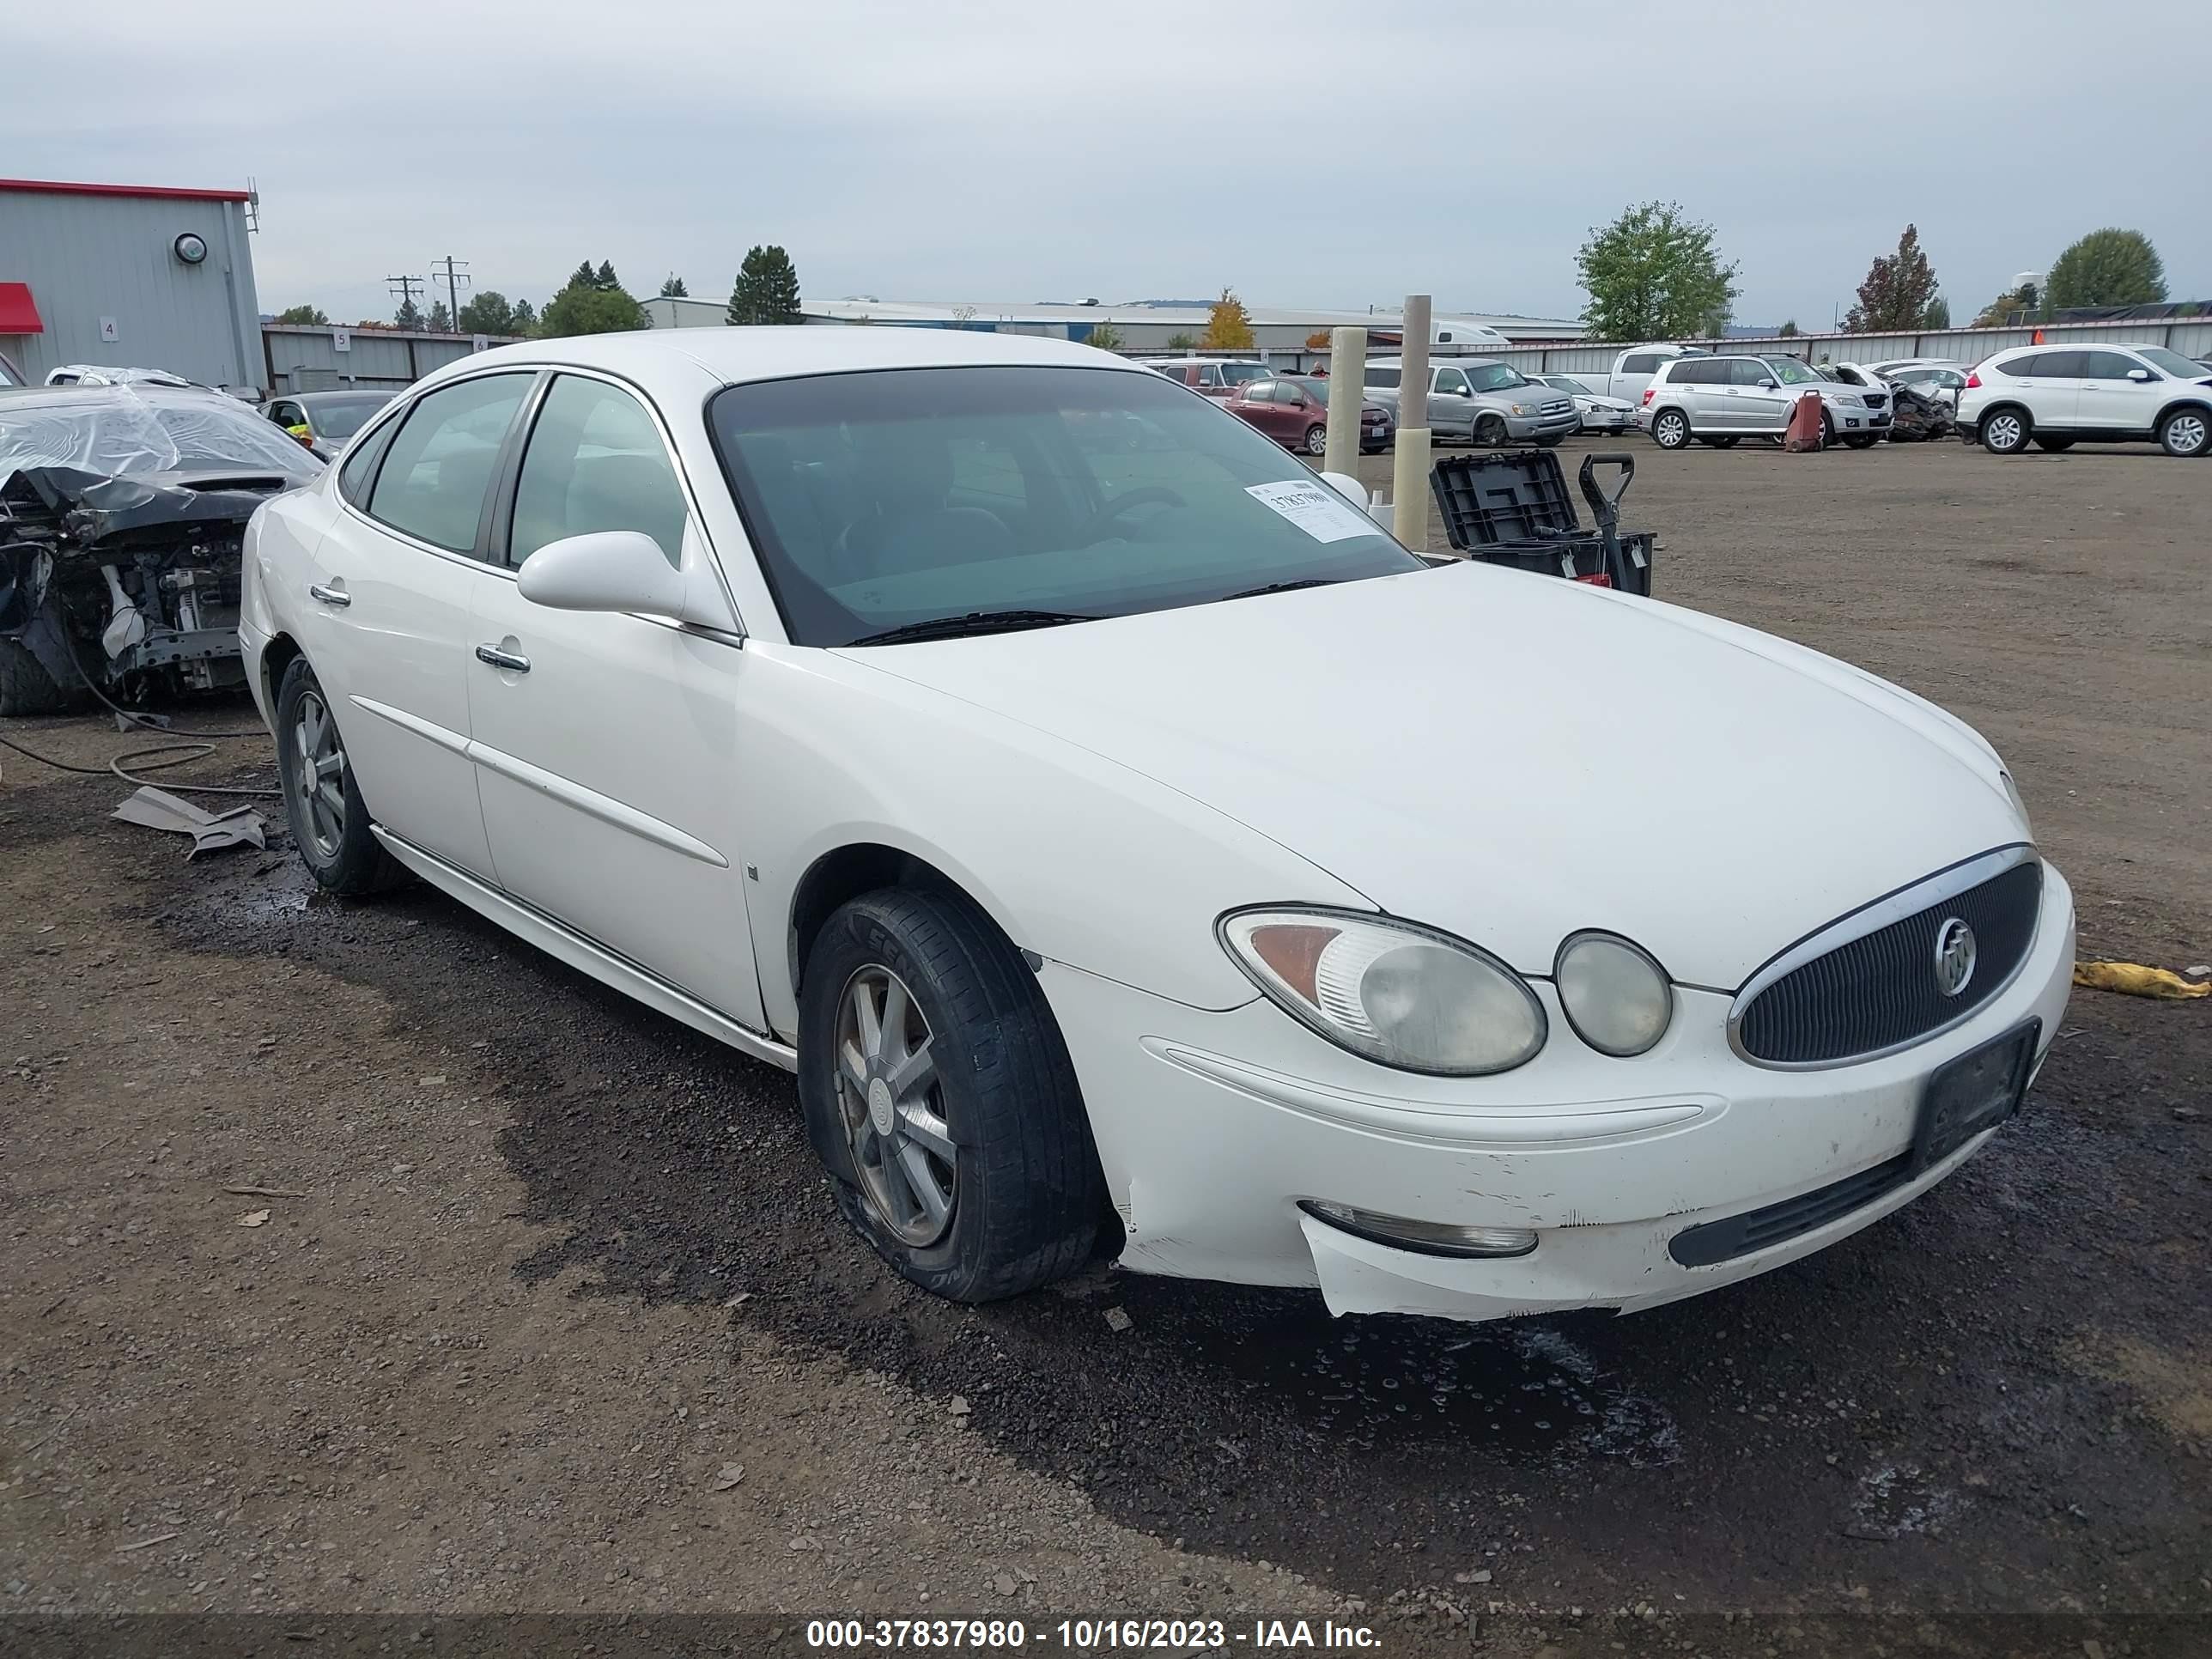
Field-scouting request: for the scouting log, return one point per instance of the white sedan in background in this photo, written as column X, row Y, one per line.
column 1083, row 798
column 1608, row 416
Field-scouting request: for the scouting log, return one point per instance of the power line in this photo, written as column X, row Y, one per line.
column 405, row 287
column 456, row 274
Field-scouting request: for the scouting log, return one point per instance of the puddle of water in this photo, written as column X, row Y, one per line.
column 1526, row 1389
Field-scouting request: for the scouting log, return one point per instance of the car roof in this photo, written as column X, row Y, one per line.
column 387, row 392
column 677, row 362
column 1154, row 363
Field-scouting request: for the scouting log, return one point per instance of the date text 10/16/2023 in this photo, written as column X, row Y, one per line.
column 1088, row 1635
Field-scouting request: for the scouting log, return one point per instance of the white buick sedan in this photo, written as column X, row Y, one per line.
column 1113, row 830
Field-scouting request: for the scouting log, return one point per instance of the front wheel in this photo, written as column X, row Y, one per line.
column 1490, row 432
column 1316, row 440
column 2005, row 432
column 1862, row 440
column 939, row 1092
column 322, row 801
column 1670, row 428
column 2185, row 433
column 1551, row 442
column 26, row 688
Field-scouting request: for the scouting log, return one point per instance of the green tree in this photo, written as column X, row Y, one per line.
column 1938, row 315
column 2106, row 268
column 1181, row 342
column 2023, row 304
column 489, row 312
column 1898, row 288
column 1105, row 337
column 442, row 321
column 671, row 288
column 585, row 307
column 410, row 315
column 606, row 281
column 1653, row 273
column 1228, row 325
column 583, row 276
column 523, row 320
column 766, row 290
column 1787, row 330
column 311, row 314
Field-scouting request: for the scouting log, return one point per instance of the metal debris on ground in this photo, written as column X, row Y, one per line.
column 1117, row 1320
column 157, row 808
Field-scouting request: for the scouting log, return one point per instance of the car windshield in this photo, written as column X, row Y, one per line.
column 1493, row 377
column 2172, row 362
column 1791, row 372
column 1244, row 373
column 1568, row 384
column 896, row 498
column 338, row 418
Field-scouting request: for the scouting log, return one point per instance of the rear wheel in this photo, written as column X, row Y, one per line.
column 322, row 803
column 2055, row 446
column 2004, row 431
column 1316, row 440
column 2186, row 433
column 1670, row 428
column 940, row 1094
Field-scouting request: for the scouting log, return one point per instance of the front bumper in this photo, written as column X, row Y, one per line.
column 1525, row 427
column 1213, row 1126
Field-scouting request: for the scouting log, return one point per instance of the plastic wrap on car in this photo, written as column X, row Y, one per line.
column 116, row 432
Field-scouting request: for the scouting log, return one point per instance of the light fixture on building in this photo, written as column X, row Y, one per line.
column 190, row 247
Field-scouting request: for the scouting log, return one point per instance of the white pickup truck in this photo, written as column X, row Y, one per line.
column 1633, row 369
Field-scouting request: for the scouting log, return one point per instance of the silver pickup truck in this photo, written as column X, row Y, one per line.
column 1480, row 400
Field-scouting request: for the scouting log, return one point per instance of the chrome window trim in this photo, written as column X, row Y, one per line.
column 1872, row 918
column 543, row 373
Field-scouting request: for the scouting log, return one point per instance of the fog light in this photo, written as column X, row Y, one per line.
column 1429, row 1237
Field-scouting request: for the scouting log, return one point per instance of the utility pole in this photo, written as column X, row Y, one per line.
column 1409, row 472
column 456, row 274
column 405, row 287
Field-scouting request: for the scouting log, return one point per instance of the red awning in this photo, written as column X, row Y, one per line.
column 18, row 314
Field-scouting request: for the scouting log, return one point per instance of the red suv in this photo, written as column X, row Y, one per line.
column 1293, row 410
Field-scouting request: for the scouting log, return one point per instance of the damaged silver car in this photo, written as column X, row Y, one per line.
column 121, row 510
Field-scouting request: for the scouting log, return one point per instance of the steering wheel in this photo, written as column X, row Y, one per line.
column 1149, row 495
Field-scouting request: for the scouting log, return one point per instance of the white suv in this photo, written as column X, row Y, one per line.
column 2059, row 396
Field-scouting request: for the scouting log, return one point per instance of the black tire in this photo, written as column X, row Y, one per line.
column 1670, row 428
column 26, row 688
column 1372, row 449
column 1028, row 1193
column 2005, row 430
column 1862, row 440
column 1490, row 433
column 1551, row 442
column 1827, row 430
column 2186, row 434
column 1721, row 443
column 352, row 861
column 2054, row 445
column 1316, row 440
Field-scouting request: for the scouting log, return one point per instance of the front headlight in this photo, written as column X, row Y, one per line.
column 1616, row 997
column 1396, row 994
column 2012, row 794
column 1518, row 408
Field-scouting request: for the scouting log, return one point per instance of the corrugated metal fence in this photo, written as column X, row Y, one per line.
column 305, row 357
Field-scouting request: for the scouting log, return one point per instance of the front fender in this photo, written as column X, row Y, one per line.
column 1075, row 856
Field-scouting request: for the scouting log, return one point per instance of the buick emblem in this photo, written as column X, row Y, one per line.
column 1954, row 955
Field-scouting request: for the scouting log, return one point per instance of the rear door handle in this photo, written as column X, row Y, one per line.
column 512, row 661
column 336, row 596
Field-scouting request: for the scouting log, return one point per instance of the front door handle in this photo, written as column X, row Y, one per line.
column 513, row 662
column 336, row 596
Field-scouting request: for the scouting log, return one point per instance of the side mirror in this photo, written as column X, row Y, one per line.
column 622, row 570
column 1768, row 385
column 2139, row 374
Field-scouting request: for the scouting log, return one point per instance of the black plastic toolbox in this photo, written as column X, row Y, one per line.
column 1512, row 508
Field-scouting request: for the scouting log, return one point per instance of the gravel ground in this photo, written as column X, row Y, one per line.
column 548, row 1310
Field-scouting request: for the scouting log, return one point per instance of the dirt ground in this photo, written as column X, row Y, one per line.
column 547, row 1311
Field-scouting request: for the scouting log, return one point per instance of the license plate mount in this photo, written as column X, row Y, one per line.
column 1978, row 1090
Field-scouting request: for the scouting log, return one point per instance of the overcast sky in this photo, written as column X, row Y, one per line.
column 960, row 150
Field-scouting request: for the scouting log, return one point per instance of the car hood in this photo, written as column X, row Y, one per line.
column 1599, row 400
column 1528, row 397
column 1513, row 757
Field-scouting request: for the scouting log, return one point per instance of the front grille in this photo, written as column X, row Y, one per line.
column 1715, row 1241
column 1880, row 991
column 1875, row 399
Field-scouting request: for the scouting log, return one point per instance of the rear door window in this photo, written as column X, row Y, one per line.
column 438, row 470
column 1645, row 362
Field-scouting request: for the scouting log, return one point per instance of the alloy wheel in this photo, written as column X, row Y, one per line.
column 318, row 765
column 888, row 1099
column 2185, row 433
column 1316, row 440
column 1671, row 430
column 2003, row 432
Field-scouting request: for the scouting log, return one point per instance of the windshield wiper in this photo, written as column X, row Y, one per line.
column 1284, row 587
column 975, row 622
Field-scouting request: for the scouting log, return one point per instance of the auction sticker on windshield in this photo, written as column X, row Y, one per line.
column 1315, row 508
